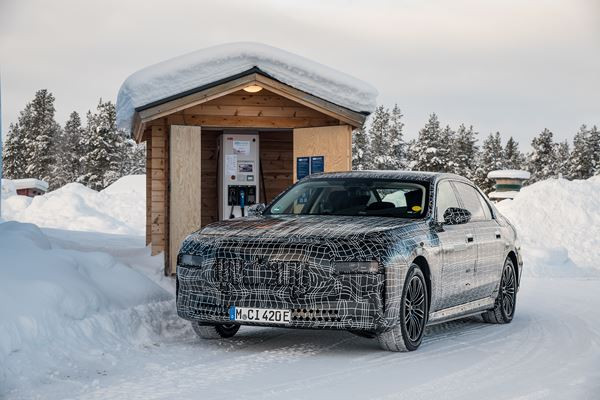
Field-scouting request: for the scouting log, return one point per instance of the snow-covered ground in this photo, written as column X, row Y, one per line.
column 89, row 315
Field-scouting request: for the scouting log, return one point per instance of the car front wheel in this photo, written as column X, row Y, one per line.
column 215, row 331
column 414, row 308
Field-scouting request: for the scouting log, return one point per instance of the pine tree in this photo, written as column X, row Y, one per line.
column 71, row 150
column 465, row 152
column 14, row 153
column 379, row 133
column 447, row 139
column 425, row 153
column 543, row 163
column 31, row 147
column 581, row 159
column 513, row 158
column 492, row 158
column 360, row 149
column 563, row 154
column 397, row 146
column 105, row 148
column 594, row 143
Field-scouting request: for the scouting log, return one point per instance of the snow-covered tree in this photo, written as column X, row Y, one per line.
column 425, row 153
column 581, row 163
column 542, row 162
column 492, row 158
column 465, row 152
column 30, row 147
column 513, row 158
column 14, row 153
column 379, row 133
column 447, row 138
column 105, row 148
column 594, row 140
column 70, row 151
column 563, row 154
column 397, row 146
column 360, row 149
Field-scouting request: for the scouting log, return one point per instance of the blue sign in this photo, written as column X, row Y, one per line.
column 302, row 167
column 317, row 164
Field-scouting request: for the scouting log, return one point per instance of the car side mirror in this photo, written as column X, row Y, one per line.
column 456, row 216
column 256, row 209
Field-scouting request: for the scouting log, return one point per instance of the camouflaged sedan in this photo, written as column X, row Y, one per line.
column 381, row 254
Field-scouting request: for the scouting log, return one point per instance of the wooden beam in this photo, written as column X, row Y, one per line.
column 211, row 121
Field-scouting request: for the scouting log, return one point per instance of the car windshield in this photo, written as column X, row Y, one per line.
column 354, row 197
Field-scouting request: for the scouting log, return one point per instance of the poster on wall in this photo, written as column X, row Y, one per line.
column 317, row 164
column 302, row 167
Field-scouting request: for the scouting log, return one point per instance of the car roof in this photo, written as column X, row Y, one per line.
column 389, row 174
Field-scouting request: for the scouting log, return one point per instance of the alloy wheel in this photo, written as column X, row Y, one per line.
column 508, row 290
column 414, row 309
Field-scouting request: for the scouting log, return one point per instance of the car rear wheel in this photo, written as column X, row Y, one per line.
column 414, row 309
column 215, row 331
column 506, row 302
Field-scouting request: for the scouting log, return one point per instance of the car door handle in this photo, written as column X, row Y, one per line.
column 469, row 238
column 498, row 235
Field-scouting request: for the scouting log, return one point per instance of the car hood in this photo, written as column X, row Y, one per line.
column 303, row 226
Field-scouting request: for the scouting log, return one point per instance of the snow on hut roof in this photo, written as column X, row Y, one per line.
column 197, row 69
column 30, row 183
column 509, row 174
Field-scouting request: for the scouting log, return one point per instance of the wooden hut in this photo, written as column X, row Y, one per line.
column 182, row 134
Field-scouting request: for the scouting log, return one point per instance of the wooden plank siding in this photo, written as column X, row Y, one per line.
column 158, row 175
column 245, row 110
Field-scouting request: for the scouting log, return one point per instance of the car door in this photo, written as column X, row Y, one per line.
column 458, row 251
column 488, row 239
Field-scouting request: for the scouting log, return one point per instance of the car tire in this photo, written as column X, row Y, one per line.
column 414, row 311
column 215, row 331
column 506, row 302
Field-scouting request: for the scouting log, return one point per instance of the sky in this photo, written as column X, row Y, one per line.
column 511, row 66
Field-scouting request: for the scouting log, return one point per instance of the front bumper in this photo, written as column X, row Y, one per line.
column 318, row 299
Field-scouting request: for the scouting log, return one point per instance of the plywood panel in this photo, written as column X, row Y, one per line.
column 185, row 179
column 332, row 142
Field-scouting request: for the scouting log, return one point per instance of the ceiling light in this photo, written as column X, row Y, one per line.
column 253, row 88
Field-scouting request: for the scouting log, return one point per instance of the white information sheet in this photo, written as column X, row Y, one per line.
column 230, row 164
column 241, row 147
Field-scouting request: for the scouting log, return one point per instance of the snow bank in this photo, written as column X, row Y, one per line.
column 60, row 307
column 558, row 223
column 193, row 70
column 120, row 208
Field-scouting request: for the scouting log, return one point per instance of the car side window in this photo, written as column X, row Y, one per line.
column 446, row 198
column 471, row 201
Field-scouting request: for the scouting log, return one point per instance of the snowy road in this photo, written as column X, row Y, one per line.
column 551, row 350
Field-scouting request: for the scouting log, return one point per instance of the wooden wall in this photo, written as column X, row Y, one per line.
column 276, row 157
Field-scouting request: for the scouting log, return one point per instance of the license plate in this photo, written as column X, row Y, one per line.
column 264, row 315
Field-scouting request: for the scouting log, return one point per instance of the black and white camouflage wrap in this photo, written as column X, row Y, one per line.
column 288, row 262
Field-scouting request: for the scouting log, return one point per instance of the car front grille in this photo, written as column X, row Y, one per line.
column 258, row 272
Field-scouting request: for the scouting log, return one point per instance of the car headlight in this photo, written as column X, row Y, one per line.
column 356, row 267
column 189, row 259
